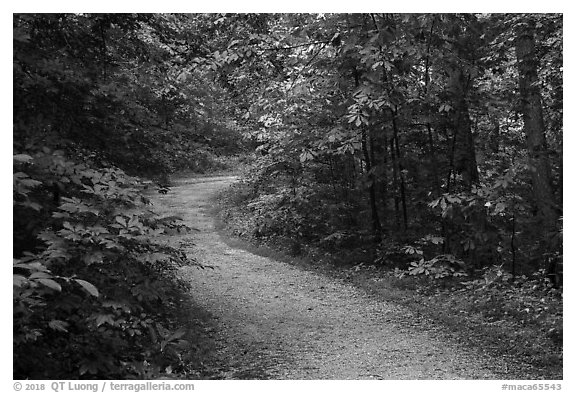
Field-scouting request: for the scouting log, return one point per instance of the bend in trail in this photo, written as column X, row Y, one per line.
column 279, row 321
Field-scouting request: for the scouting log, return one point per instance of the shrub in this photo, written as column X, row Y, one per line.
column 91, row 292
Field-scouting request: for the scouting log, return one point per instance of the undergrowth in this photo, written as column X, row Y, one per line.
column 96, row 295
column 519, row 319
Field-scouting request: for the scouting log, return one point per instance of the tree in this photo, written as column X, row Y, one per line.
column 93, row 275
column 534, row 128
column 377, row 108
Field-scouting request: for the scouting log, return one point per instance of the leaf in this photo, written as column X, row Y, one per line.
column 177, row 334
column 117, row 305
column 437, row 239
column 50, row 284
column 68, row 226
column 500, row 207
column 32, row 205
column 445, row 108
column 173, row 337
column 91, row 289
column 443, row 203
column 101, row 319
column 18, row 280
column 58, row 325
column 39, row 275
column 30, row 183
column 22, row 158
column 36, row 266
column 120, row 220
column 306, row 156
column 95, row 257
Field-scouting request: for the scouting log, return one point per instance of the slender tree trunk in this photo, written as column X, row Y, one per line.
column 383, row 183
column 534, row 128
column 400, row 171
column 433, row 160
column 395, row 184
column 377, row 157
column 494, row 137
column 451, row 169
column 103, row 49
column 464, row 149
column 332, row 176
column 431, row 150
column 376, row 225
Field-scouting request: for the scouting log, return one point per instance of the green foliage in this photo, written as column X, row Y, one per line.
column 441, row 266
column 92, row 288
column 531, row 300
column 517, row 317
column 304, row 210
column 397, row 141
column 403, row 126
column 121, row 87
column 95, row 291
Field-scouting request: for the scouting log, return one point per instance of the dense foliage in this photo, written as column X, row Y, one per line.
column 128, row 87
column 95, row 290
column 87, row 298
column 425, row 146
column 429, row 145
column 438, row 136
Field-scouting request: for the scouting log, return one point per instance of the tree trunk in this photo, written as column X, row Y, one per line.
column 382, row 191
column 400, row 170
column 395, row 187
column 376, row 226
column 494, row 136
column 534, row 129
column 465, row 151
column 431, row 150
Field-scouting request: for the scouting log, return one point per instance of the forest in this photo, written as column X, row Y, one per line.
column 424, row 150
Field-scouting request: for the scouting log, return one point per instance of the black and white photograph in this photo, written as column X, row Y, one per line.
column 360, row 196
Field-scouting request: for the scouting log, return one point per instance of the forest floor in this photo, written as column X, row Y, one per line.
column 273, row 320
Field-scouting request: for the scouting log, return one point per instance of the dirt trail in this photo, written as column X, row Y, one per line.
column 281, row 322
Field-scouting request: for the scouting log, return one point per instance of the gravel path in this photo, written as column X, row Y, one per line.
column 278, row 321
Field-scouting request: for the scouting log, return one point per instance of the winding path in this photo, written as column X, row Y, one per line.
column 278, row 321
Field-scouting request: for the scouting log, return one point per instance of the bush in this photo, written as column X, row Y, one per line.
column 92, row 291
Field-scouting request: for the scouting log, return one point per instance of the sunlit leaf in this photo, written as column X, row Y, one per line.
column 91, row 289
column 50, row 284
column 57, row 325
